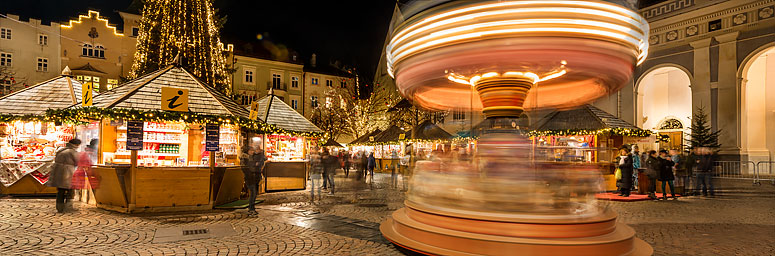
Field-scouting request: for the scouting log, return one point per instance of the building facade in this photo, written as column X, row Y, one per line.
column 254, row 77
column 323, row 85
column 714, row 55
column 29, row 52
column 97, row 51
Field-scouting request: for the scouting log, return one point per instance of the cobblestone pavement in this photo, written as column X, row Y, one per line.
column 739, row 222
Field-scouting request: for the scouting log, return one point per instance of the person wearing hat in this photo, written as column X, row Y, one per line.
column 61, row 174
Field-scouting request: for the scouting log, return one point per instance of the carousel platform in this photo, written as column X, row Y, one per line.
column 632, row 198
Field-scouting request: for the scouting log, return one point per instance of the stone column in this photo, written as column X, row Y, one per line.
column 700, row 83
column 728, row 95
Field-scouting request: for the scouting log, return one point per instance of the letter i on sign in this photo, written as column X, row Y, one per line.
column 87, row 94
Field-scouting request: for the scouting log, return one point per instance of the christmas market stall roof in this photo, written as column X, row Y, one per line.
column 365, row 138
column 283, row 116
column 390, row 135
column 427, row 131
column 585, row 120
column 332, row 143
column 144, row 93
column 57, row 93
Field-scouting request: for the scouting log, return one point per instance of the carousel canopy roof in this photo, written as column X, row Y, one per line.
column 587, row 117
column 283, row 116
column 332, row 143
column 365, row 137
column 57, row 93
column 144, row 93
column 428, row 131
column 389, row 135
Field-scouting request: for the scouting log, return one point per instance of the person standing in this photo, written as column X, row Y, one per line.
column 347, row 162
column 83, row 170
column 636, row 165
column 704, row 165
column 364, row 163
column 394, row 168
column 325, row 159
column 666, row 175
column 248, row 163
column 404, row 165
column 625, row 167
column 652, row 172
column 331, row 163
column 372, row 162
column 61, row 175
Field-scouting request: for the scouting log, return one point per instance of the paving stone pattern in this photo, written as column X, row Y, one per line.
column 739, row 222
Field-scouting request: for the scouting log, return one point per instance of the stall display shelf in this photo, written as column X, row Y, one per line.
column 123, row 128
column 155, row 141
column 146, row 154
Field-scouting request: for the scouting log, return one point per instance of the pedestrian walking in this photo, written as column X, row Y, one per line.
column 364, row 163
column 331, row 163
column 652, row 172
column 404, row 167
column 704, row 169
column 325, row 159
column 83, row 169
column 371, row 163
column 247, row 162
column 636, row 165
column 61, row 174
column 316, row 173
column 347, row 162
column 625, row 167
column 666, row 175
column 394, row 168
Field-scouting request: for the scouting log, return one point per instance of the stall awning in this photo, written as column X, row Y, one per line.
column 332, row 143
column 57, row 93
column 585, row 119
column 283, row 116
column 144, row 93
column 365, row 138
column 427, row 131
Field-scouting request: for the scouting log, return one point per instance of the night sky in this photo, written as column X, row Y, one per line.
column 351, row 32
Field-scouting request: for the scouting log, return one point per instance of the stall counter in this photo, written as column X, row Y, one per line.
column 285, row 175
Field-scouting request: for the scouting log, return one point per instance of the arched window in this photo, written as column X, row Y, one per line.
column 88, row 50
column 99, row 52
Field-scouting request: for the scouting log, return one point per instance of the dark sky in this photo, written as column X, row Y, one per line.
column 349, row 31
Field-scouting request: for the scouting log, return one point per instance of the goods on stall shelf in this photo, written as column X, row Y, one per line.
column 28, row 148
column 162, row 144
column 284, row 148
column 228, row 141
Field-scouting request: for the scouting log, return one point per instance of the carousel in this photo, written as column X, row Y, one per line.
column 512, row 56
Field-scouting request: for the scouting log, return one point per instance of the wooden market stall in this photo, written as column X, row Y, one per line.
column 586, row 134
column 361, row 144
column 287, row 148
column 385, row 143
column 27, row 141
column 426, row 137
column 168, row 142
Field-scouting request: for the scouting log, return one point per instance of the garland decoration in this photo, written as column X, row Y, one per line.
column 606, row 131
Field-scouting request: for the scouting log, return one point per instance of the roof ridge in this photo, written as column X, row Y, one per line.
column 33, row 86
column 137, row 87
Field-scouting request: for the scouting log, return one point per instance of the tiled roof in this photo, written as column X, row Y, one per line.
column 389, row 135
column 365, row 137
column 283, row 116
column 35, row 100
column 144, row 93
column 427, row 131
column 587, row 117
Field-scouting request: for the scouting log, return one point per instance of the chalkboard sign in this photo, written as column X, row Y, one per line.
column 134, row 135
column 211, row 137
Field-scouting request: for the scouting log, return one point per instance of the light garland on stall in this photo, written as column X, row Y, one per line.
column 606, row 131
column 80, row 115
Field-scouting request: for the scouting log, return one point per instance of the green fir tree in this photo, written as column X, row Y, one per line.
column 702, row 135
column 188, row 28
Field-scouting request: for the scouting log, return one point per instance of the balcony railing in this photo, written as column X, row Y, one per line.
column 281, row 86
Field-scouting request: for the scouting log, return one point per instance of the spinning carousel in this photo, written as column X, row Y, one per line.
column 512, row 56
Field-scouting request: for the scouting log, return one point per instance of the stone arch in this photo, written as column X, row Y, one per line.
column 672, row 98
column 756, row 82
column 664, row 65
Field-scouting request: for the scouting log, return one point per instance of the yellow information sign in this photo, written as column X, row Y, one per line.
column 402, row 136
column 371, row 138
column 174, row 99
column 254, row 110
column 87, row 94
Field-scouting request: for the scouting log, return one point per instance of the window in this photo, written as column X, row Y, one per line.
column 135, row 31
column 276, row 80
column 329, row 83
column 90, row 51
column 5, row 33
column 42, row 39
column 112, row 83
column 5, row 87
column 314, row 81
column 295, row 81
column 247, row 100
column 93, row 79
column 458, row 115
column 5, row 59
column 328, row 102
column 249, row 75
column 42, row 64
column 295, row 104
column 342, row 84
column 314, row 101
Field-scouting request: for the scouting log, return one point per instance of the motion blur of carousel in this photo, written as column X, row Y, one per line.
column 512, row 56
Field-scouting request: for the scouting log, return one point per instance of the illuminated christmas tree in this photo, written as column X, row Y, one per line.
column 185, row 27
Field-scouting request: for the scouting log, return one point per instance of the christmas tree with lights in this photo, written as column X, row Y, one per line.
column 187, row 28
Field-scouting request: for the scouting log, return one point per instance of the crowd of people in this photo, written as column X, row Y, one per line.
column 664, row 166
